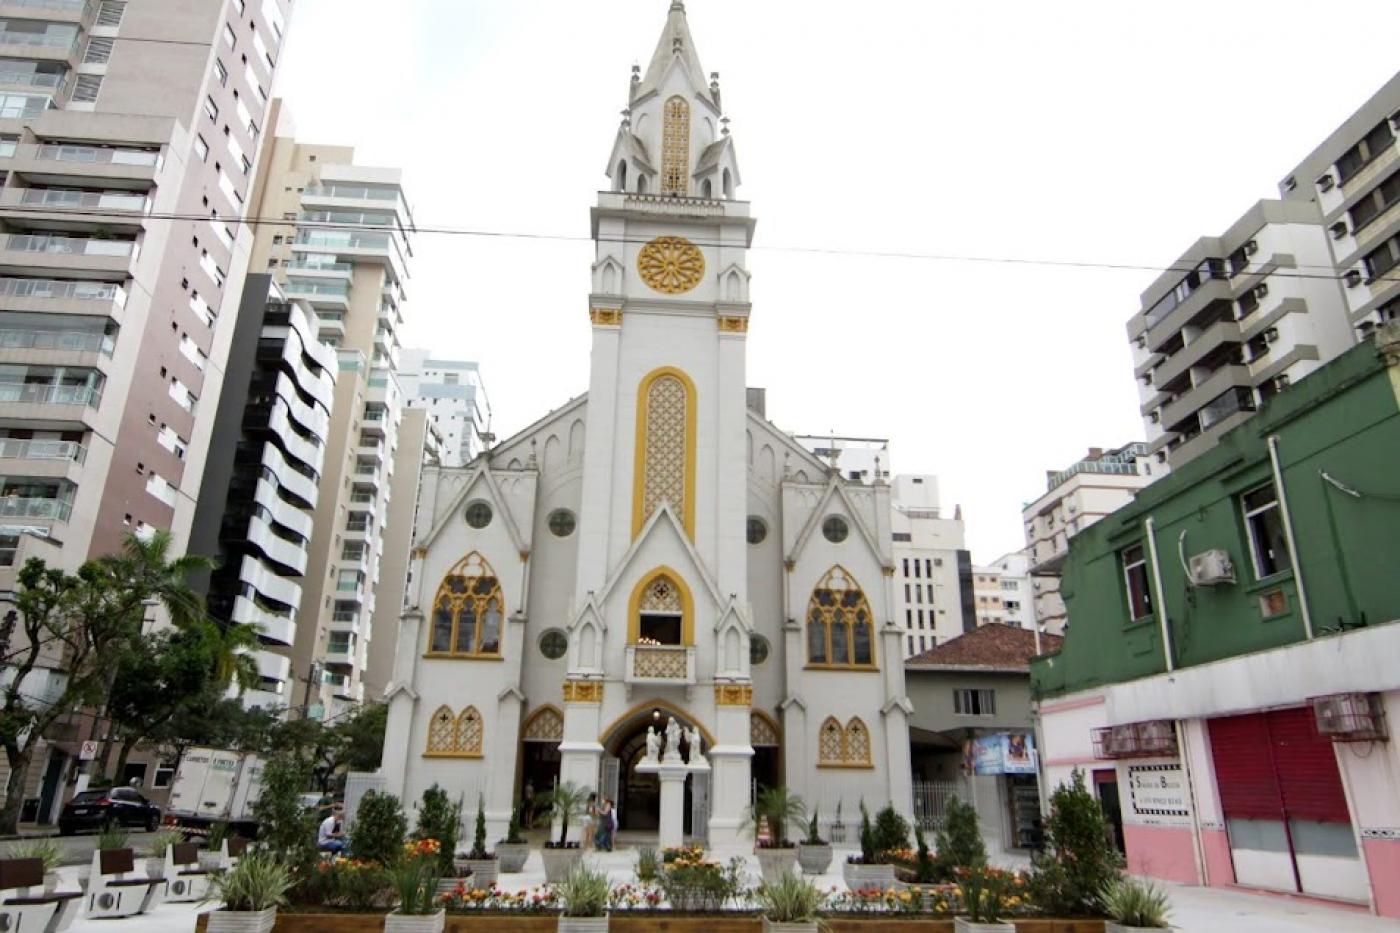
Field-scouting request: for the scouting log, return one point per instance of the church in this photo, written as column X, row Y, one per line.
column 654, row 549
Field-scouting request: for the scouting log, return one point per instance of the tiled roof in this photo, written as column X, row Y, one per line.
column 995, row 646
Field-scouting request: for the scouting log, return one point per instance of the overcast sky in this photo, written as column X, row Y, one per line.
column 1101, row 132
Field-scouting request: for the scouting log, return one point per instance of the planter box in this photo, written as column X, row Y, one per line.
column 242, row 921
column 964, row 925
column 559, row 862
column 770, row 926
column 815, row 860
column 1110, row 927
column 155, row 868
column 421, row 923
column 868, row 876
column 583, row 925
column 483, row 872
column 774, row 863
column 512, row 856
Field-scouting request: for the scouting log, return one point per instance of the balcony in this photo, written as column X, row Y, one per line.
column 660, row 664
column 35, row 393
column 41, row 253
column 1210, row 340
column 69, row 163
column 372, row 247
column 35, row 507
column 1214, row 385
column 67, row 199
column 334, row 295
column 49, row 459
column 273, row 628
column 72, row 10
column 58, row 42
column 29, row 80
column 339, row 654
column 320, row 269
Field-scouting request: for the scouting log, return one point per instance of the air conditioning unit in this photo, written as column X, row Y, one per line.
column 1325, row 183
column 1210, row 568
column 1156, row 739
column 1282, row 381
column 1353, row 278
column 1271, row 335
column 1261, row 291
column 1365, row 328
column 1339, row 229
column 1252, row 246
column 1350, row 717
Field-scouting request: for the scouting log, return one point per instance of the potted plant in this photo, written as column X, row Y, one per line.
column 160, row 844
column 513, row 851
column 789, row 904
column 584, row 896
column 112, row 837
column 251, row 892
column 1133, row 906
column 837, row 829
column 776, row 808
column 46, row 851
column 481, row 863
column 648, row 864
column 987, row 894
column 566, row 801
column 814, row 852
column 441, row 820
column 212, row 857
column 872, row 868
column 415, row 877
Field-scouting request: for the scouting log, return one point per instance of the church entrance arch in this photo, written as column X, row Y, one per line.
column 539, row 757
column 637, row 794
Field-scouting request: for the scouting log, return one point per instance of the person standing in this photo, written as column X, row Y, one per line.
column 590, row 821
column 603, row 835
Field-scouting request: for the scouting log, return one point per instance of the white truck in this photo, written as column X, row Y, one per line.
column 215, row 786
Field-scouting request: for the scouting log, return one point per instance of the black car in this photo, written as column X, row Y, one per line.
column 93, row 809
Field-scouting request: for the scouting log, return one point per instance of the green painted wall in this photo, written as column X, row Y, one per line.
column 1343, row 419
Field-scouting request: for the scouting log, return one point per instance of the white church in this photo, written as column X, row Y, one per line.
column 654, row 549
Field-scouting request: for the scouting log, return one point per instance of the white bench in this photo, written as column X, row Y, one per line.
column 115, row 890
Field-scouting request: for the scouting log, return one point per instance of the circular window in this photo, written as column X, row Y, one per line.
column 562, row 523
column 478, row 514
column 835, row 529
column 756, row 530
column 554, row 644
column 758, row 649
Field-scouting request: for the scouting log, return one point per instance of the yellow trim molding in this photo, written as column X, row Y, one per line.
column 733, row 324
column 733, row 695
column 642, row 709
column 634, row 605
column 605, row 317
column 639, row 478
column 453, row 755
column 583, row 691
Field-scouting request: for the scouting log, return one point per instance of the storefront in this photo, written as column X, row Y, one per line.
column 1010, row 800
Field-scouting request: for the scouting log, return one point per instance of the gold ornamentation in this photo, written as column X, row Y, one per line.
column 663, row 590
column 887, row 571
column 661, row 595
column 762, row 732
column 659, row 662
column 733, row 695
column 467, row 612
column 675, row 147
column 847, row 747
column 545, row 725
column 733, row 325
column 666, row 446
column 840, row 627
column 605, row 317
column 583, row 691
column 452, row 736
column 671, row 265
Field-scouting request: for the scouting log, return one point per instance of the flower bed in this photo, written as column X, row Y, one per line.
column 646, row 922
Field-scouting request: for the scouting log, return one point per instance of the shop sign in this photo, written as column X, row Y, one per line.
column 1004, row 753
column 1158, row 790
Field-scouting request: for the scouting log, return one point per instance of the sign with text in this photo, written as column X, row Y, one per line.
column 1005, row 753
column 1158, row 790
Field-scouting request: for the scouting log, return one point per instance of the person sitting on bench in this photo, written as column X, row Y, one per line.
column 331, row 837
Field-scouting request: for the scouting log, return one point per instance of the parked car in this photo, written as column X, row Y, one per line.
column 93, row 809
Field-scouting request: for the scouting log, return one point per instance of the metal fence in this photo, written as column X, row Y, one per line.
column 931, row 802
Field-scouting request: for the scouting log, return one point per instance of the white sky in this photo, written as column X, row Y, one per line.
column 1113, row 132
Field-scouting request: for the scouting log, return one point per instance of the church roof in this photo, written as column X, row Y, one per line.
column 710, row 157
column 993, row 646
column 675, row 41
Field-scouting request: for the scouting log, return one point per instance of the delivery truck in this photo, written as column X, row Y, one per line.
column 215, row 786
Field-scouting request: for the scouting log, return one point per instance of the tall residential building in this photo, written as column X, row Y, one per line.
column 1252, row 315
column 1013, row 572
column 929, row 552
column 859, row 459
column 986, row 592
column 128, row 135
column 452, row 393
column 262, row 480
column 1075, row 498
column 1353, row 179
column 344, row 250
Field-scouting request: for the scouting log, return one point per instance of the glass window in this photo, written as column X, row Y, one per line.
column 1268, row 546
column 478, row 514
column 972, row 702
column 201, row 148
column 756, row 530
column 840, row 625
column 1135, row 578
column 554, row 644
column 561, row 523
column 758, row 649
column 835, row 529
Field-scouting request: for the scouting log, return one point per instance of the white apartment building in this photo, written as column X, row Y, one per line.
column 1353, row 179
column 1013, row 588
column 453, row 395
column 1252, row 315
column 1076, row 497
column 859, row 459
column 986, row 595
column 931, row 583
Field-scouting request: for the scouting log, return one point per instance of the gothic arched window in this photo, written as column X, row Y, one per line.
column 468, row 611
column 675, row 147
column 847, row 747
column 840, row 627
column 455, row 736
column 665, row 448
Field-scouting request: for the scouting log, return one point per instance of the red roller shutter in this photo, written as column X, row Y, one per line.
column 1307, row 768
column 1244, row 768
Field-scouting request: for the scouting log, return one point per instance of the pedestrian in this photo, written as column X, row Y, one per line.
column 602, row 837
column 590, row 821
column 331, row 836
column 527, row 805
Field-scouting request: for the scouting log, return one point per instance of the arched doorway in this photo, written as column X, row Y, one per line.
column 765, row 736
column 539, row 757
column 637, row 794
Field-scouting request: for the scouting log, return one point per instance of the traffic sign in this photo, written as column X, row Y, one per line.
column 88, row 752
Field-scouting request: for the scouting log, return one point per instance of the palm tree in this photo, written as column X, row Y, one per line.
column 234, row 664
column 143, row 571
column 566, row 800
column 779, row 808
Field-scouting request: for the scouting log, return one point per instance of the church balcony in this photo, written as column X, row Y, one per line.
column 660, row 664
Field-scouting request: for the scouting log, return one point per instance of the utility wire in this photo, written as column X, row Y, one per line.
column 330, row 226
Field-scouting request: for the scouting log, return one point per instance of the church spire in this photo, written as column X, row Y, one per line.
column 675, row 42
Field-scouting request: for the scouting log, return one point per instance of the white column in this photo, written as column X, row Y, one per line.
column 403, row 702
column 899, row 777
column 580, row 751
column 672, row 804
column 598, row 455
column 731, row 763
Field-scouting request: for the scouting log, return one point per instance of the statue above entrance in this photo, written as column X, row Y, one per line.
column 653, row 744
column 673, row 740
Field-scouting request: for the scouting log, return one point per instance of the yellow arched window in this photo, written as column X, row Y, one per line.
column 455, row 736
column 661, row 613
column 857, row 743
column 843, row 747
column 831, row 743
column 675, row 147
column 840, row 627
column 467, row 612
column 665, row 459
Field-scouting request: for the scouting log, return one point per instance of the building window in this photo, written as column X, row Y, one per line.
column 906, row 566
column 554, row 644
column 211, row 109
column 1375, row 202
column 1383, row 258
column 165, row 773
column 758, row 649
column 675, row 148
column 908, row 598
column 478, row 514
column 902, row 536
column 911, row 644
column 755, row 530
column 201, row 148
column 1135, row 577
column 970, row 702
column 220, row 72
column 562, row 523
column 909, row 618
column 840, row 629
column 847, row 747
column 1268, row 545
column 835, row 529
column 921, row 618
column 452, row 736
column 1354, row 159
column 467, row 612
column 665, row 467
column 661, row 613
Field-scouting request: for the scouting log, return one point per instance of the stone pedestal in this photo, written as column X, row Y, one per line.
column 672, row 776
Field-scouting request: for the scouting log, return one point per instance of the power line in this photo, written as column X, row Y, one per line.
column 430, row 230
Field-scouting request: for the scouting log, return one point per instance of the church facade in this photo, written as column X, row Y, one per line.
column 654, row 549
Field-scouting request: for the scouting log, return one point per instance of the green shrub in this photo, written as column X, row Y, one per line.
column 959, row 843
column 648, row 863
column 479, row 839
column 697, row 885
column 45, row 850
column 440, row 819
column 112, row 836
column 414, row 875
column 814, row 836
column 285, row 828
column 891, row 831
column 513, row 835
column 380, row 828
column 925, row 866
column 163, row 840
column 789, row 899
column 218, row 833
column 257, row 882
column 584, row 892
column 867, row 836
column 1078, row 861
column 1135, row 903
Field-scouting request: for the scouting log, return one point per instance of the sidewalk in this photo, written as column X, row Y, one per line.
column 1229, row 910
